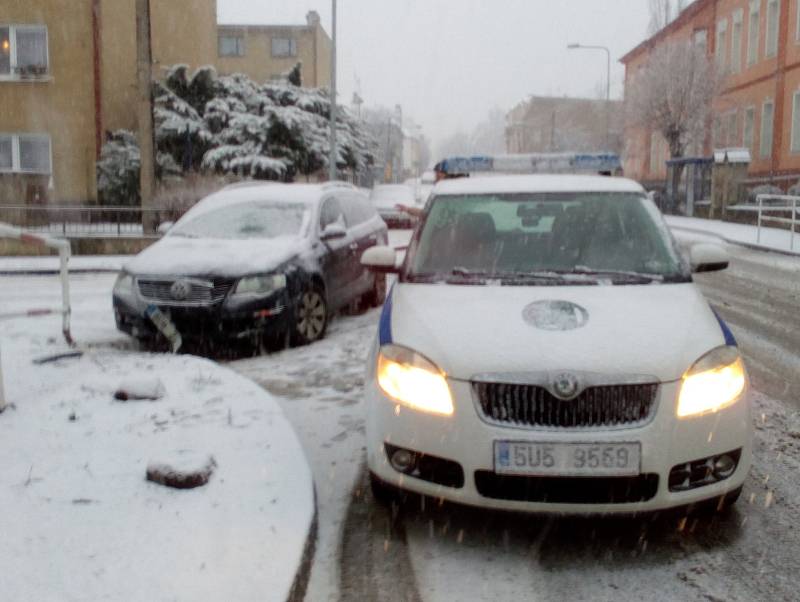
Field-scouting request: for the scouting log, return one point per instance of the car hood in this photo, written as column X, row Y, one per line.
column 175, row 255
column 656, row 330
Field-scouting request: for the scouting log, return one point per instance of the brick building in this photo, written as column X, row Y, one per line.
column 68, row 74
column 756, row 44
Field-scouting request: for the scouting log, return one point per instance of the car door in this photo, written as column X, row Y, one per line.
column 363, row 233
column 336, row 258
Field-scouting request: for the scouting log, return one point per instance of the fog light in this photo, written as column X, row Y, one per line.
column 724, row 466
column 402, row 460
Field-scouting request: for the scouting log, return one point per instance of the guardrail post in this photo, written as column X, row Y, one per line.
column 794, row 220
column 760, row 207
column 2, row 389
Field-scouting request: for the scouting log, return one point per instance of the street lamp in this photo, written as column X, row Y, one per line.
column 334, row 153
column 608, row 85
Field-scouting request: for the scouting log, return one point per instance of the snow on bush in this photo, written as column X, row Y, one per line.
column 231, row 125
column 763, row 189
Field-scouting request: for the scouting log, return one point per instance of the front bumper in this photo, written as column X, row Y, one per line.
column 228, row 320
column 466, row 439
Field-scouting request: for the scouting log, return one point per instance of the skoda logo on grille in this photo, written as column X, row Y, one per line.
column 180, row 290
column 565, row 385
column 555, row 315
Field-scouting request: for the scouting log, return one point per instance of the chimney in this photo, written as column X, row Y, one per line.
column 312, row 18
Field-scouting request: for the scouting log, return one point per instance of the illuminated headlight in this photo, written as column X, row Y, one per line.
column 716, row 381
column 261, row 285
column 123, row 287
column 413, row 380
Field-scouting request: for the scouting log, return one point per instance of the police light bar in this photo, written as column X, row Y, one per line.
column 537, row 163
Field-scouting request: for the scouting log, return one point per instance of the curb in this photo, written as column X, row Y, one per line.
column 738, row 243
column 300, row 584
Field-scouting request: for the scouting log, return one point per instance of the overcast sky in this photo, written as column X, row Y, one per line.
column 448, row 62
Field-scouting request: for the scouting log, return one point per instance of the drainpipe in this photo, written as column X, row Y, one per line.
column 98, row 90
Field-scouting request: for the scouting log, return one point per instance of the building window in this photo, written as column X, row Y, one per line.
column 732, row 128
column 736, row 42
column 767, row 116
column 749, row 127
column 754, row 32
column 25, row 153
column 701, row 39
column 773, row 19
column 231, row 45
column 284, row 47
column 796, row 122
column 722, row 43
column 23, row 51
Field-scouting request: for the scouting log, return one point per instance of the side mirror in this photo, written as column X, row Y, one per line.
column 165, row 227
column 380, row 259
column 707, row 257
column 333, row 231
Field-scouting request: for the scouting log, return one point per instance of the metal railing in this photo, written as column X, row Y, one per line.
column 783, row 204
column 82, row 221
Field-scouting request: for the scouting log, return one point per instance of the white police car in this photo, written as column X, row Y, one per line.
column 544, row 349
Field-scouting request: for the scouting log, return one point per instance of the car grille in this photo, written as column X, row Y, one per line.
column 534, row 406
column 197, row 292
column 567, row 490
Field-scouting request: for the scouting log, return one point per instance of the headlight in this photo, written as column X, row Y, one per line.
column 123, row 287
column 413, row 380
column 260, row 285
column 714, row 382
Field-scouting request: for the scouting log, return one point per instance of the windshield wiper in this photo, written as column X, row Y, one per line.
column 627, row 274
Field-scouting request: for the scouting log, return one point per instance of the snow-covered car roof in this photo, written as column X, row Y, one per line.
column 536, row 183
column 255, row 192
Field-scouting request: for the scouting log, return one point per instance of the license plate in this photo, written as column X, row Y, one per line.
column 165, row 326
column 567, row 459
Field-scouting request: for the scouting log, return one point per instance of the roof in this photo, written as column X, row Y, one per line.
column 687, row 15
column 536, row 183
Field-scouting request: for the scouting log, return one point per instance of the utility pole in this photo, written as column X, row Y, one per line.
column 334, row 152
column 144, row 61
column 608, row 81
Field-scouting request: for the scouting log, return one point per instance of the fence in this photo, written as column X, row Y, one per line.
column 778, row 204
column 82, row 221
column 64, row 252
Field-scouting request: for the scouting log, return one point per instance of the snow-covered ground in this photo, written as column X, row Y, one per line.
column 771, row 238
column 49, row 263
column 78, row 519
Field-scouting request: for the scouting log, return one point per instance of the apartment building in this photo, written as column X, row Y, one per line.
column 756, row 45
column 544, row 124
column 68, row 74
column 266, row 52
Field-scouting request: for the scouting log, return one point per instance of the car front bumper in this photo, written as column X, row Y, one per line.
column 228, row 320
column 466, row 439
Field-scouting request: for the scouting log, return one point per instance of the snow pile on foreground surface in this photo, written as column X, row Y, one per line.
column 80, row 521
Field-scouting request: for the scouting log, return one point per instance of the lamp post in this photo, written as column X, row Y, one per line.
column 608, row 85
column 334, row 153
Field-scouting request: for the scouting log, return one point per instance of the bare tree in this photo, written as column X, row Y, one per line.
column 672, row 94
column 663, row 12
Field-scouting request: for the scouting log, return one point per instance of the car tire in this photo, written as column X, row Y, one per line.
column 377, row 294
column 310, row 316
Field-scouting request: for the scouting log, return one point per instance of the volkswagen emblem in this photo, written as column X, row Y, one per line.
column 566, row 385
column 180, row 290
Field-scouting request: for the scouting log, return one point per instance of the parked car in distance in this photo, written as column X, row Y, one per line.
column 386, row 198
column 545, row 349
column 257, row 262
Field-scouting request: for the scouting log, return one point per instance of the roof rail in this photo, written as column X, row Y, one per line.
column 338, row 184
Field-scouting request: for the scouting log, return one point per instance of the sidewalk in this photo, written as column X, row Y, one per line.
column 79, row 520
column 772, row 239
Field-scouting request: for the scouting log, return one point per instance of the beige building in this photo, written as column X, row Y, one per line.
column 544, row 124
column 68, row 75
column 264, row 52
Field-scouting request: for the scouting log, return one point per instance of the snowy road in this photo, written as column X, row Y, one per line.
column 449, row 553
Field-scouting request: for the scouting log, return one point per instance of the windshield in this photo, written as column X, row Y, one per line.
column 597, row 236
column 246, row 221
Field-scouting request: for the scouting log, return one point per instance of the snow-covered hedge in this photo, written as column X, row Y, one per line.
column 231, row 125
